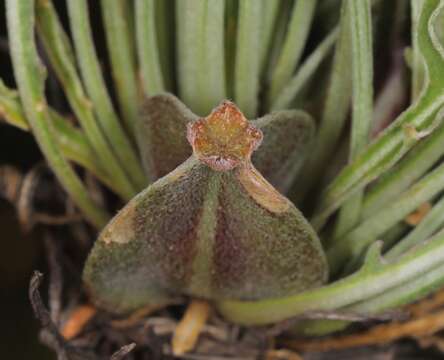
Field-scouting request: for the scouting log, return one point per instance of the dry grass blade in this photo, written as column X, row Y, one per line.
column 435, row 341
column 282, row 354
column 427, row 305
column 125, row 350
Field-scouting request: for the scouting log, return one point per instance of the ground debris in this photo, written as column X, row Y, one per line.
column 37, row 197
column 124, row 350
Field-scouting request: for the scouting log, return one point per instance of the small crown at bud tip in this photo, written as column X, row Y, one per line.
column 225, row 138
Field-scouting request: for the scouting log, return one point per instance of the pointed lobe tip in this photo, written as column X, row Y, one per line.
column 225, row 138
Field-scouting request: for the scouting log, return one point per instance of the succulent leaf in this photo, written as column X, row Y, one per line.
column 212, row 228
column 163, row 144
column 161, row 134
column 224, row 139
column 288, row 135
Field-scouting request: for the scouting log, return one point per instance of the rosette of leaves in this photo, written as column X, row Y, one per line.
column 355, row 185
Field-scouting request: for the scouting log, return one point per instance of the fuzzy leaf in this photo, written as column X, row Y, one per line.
column 212, row 228
column 161, row 134
column 163, row 145
column 288, row 135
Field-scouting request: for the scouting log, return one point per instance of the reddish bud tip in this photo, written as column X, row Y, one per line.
column 224, row 139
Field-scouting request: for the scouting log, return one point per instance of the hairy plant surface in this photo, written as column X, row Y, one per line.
column 327, row 199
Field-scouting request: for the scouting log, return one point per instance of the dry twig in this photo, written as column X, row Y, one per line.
column 427, row 305
column 282, row 354
column 125, row 350
column 26, row 191
column 55, row 276
column 50, row 331
column 381, row 334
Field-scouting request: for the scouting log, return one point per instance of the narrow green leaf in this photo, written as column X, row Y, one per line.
column 278, row 37
column 10, row 108
column 334, row 112
column 362, row 62
column 306, row 71
column 388, row 148
column 212, row 77
column 231, row 22
column 432, row 222
column 201, row 53
column 396, row 232
column 30, row 76
column 196, row 25
column 200, row 46
column 352, row 245
column 248, row 50
column 362, row 101
column 75, row 147
column 96, row 88
column 417, row 65
column 416, row 163
column 121, row 49
column 294, row 44
column 147, row 47
column 60, row 54
column 72, row 141
column 190, row 21
column 269, row 16
column 166, row 33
